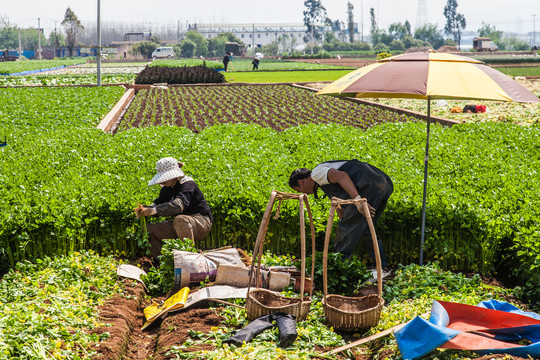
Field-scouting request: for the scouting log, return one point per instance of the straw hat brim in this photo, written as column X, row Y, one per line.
column 166, row 176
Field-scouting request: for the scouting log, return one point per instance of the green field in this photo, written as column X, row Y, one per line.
column 284, row 76
column 520, row 71
column 11, row 67
column 68, row 189
column 275, row 64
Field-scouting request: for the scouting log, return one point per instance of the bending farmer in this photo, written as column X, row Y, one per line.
column 179, row 197
column 348, row 180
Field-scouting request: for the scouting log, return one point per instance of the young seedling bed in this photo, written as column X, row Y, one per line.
column 276, row 106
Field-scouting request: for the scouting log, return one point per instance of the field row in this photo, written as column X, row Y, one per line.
column 276, row 106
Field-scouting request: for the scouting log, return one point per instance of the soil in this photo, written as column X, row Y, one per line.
column 174, row 330
column 122, row 316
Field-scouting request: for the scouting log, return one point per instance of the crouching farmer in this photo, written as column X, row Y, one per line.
column 179, row 197
column 350, row 179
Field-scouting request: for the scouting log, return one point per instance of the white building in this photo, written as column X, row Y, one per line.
column 263, row 34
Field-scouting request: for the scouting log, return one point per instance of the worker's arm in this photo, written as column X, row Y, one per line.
column 344, row 180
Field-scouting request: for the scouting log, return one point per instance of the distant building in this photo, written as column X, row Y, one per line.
column 263, row 34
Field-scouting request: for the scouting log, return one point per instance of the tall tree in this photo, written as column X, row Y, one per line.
column 431, row 34
column 350, row 21
column 201, row 44
column 455, row 22
column 56, row 38
column 9, row 37
column 398, row 30
column 187, row 48
column 72, row 25
column 373, row 29
column 372, row 17
column 286, row 43
column 491, row 32
column 314, row 14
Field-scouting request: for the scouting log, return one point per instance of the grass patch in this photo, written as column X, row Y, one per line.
column 521, row 71
column 274, row 64
column 12, row 67
column 284, row 76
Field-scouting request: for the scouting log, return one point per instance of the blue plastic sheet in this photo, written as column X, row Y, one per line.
column 488, row 328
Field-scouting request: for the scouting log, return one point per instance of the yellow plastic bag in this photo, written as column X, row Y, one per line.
column 154, row 311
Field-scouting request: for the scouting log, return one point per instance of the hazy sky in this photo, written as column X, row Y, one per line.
column 509, row 16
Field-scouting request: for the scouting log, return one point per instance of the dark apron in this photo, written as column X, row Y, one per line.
column 376, row 187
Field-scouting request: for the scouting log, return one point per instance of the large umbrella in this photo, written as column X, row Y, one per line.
column 429, row 76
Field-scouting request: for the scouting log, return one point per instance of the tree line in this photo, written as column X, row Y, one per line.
column 397, row 37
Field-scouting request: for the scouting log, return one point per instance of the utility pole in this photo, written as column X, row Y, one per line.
column 39, row 38
column 55, row 41
column 20, row 47
column 98, row 43
column 362, row 21
column 253, row 39
column 534, row 29
column 312, row 39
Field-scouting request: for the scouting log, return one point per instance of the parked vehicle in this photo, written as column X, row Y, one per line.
column 484, row 44
column 163, row 52
column 4, row 56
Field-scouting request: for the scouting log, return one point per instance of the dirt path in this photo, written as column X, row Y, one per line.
column 123, row 318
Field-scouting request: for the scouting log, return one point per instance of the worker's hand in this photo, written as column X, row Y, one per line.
column 360, row 208
column 138, row 211
column 148, row 211
column 143, row 210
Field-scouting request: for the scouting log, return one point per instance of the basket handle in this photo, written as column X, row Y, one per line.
column 335, row 202
column 259, row 243
column 312, row 227
column 302, row 248
column 326, row 243
column 375, row 249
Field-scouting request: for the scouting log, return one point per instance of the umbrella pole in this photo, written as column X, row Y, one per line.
column 426, row 159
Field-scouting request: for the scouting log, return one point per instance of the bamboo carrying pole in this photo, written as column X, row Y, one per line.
column 368, row 339
column 312, row 229
column 259, row 243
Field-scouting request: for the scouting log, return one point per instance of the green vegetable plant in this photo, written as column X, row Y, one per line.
column 48, row 308
column 160, row 280
column 345, row 276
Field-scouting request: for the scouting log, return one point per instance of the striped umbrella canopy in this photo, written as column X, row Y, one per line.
column 429, row 75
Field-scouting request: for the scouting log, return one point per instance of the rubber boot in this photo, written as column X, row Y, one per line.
column 253, row 329
column 287, row 329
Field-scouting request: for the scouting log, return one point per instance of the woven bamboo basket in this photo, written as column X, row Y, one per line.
column 262, row 301
column 351, row 313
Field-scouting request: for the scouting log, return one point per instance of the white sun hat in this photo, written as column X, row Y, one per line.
column 167, row 169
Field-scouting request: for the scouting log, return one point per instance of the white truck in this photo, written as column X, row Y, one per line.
column 163, row 53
